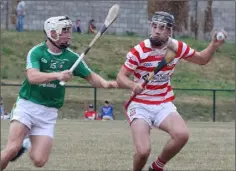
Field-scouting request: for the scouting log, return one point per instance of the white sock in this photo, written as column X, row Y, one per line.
column 26, row 143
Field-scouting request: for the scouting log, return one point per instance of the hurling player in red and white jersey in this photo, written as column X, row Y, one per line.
column 153, row 106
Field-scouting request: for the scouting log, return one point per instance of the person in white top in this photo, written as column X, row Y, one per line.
column 20, row 12
column 152, row 106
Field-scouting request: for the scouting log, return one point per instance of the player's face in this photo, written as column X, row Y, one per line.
column 160, row 31
column 65, row 36
column 90, row 108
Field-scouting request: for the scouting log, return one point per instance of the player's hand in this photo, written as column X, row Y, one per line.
column 218, row 43
column 64, row 75
column 111, row 84
column 138, row 88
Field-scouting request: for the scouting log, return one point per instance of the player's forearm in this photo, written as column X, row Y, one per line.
column 207, row 53
column 97, row 81
column 124, row 82
column 41, row 78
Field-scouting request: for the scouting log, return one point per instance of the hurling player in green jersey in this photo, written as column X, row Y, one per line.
column 35, row 112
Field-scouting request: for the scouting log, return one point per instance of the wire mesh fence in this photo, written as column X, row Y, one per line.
column 192, row 104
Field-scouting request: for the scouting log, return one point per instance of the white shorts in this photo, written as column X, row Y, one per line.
column 152, row 114
column 39, row 119
column 107, row 118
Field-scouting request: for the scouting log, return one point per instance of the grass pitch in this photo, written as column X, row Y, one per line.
column 98, row 145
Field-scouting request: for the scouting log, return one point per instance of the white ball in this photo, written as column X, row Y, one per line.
column 220, row 36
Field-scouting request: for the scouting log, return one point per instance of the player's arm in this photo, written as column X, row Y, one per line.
column 131, row 63
column 34, row 75
column 97, row 81
column 123, row 79
column 204, row 56
column 83, row 71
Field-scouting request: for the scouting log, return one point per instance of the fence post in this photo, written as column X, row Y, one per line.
column 214, row 106
column 95, row 99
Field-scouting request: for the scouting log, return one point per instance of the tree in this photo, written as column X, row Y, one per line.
column 178, row 8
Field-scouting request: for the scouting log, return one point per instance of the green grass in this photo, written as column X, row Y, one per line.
column 97, row 145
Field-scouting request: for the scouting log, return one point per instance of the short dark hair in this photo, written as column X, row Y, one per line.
column 107, row 102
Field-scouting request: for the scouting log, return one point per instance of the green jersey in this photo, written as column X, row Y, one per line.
column 51, row 94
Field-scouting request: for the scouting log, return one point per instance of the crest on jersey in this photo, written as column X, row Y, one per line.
column 171, row 64
column 132, row 111
column 43, row 60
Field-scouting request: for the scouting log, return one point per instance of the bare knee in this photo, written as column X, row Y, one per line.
column 39, row 161
column 181, row 136
column 143, row 152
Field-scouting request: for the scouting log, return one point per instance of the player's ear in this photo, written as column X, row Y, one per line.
column 169, row 30
column 53, row 34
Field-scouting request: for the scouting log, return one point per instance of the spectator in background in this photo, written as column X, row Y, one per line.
column 107, row 111
column 92, row 27
column 4, row 114
column 2, row 107
column 77, row 26
column 20, row 12
column 90, row 114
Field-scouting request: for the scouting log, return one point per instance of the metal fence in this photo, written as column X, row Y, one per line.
column 193, row 104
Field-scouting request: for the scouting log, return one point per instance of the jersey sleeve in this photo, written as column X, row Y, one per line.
column 132, row 59
column 33, row 59
column 184, row 50
column 82, row 70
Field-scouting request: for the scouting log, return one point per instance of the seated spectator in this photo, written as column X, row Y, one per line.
column 107, row 111
column 5, row 116
column 77, row 26
column 90, row 114
column 91, row 27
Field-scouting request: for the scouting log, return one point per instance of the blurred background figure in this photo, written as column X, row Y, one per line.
column 20, row 12
column 107, row 111
column 77, row 26
column 4, row 114
column 90, row 114
column 92, row 27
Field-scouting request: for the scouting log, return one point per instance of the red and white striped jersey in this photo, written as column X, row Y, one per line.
column 142, row 59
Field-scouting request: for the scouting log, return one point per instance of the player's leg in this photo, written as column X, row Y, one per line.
column 140, row 121
column 141, row 139
column 19, row 127
column 171, row 122
column 41, row 146
column 41, row 134
column 17, row 133
column 25, row 146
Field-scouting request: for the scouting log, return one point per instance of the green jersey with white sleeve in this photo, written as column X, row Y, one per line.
column 51, row 94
